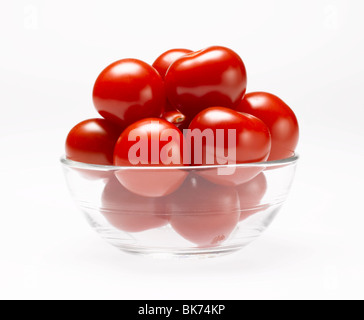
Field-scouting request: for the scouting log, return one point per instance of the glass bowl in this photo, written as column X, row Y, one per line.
column 180, row 211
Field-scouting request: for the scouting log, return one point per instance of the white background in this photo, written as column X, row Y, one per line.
column 310, row 53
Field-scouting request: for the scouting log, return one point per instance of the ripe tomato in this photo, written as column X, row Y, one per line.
column 169, row 107
column 150, row 143
column 177, row 118
column 129, row 90
column 204, row 213
column 164, row 61
column 212, row 77
column 93, row 141
column 251, row 143
column 129, row 212
column 250, row 195
column 279, row 118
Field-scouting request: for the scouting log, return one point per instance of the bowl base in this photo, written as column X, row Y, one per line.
column 247, row 231
column 173, row 254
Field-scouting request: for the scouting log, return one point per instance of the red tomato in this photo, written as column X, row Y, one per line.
column 204, row 213
column 252, row 143
column 164, row 61
column 129, row 90
column 162, row 64
column 250, row 195
column 212, row 77
column 150, row 143
column 177, row 118
column 129, row 212
column 169, row 107
column 279, row 118
column 149, row 182
column 153, row 138
column 93, row 141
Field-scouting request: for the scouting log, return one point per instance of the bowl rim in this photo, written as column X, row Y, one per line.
column 267, row 164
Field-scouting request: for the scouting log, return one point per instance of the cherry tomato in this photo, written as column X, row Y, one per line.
column 169, row 107
column 204, row 213
column 151, row 182
column 129, row 212
column 279, row 118
column 177, row 118
column 212, row 77
column 129, row 90
column 158, row 141
column 93, row 141
column 251, row 143
column 162, row 64
column 150, row 143
column 164, row 61
column 250, row 195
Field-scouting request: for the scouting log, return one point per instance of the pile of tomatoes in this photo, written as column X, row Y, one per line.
column 183, row 89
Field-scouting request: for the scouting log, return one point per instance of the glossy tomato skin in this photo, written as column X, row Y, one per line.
column 152, row 130
column 279, row 118
column 177, row 118
column 163, row 62
column 129, row 212
column 160, row 152
column 215, row 76
column 204, row 213
column 93, row 141
column 252, row 144
column 129, row 90
column 251, row 194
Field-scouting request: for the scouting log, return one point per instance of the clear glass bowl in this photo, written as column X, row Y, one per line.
column 180, row 211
